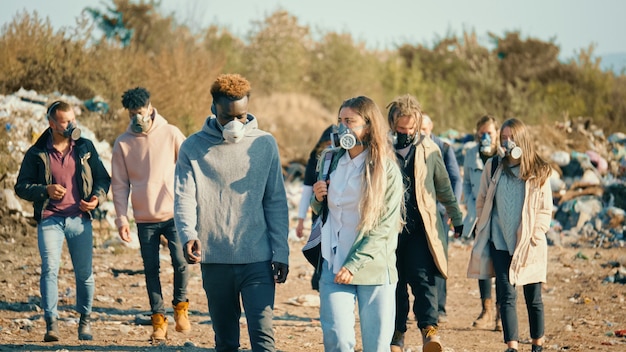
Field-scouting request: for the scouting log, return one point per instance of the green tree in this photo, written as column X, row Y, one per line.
column 276, row 59
column 341, row 69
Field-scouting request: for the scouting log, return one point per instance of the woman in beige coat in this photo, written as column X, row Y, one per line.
column 514, row 209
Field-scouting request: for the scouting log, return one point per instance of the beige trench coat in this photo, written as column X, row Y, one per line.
column 530, row 257
column 432, row 184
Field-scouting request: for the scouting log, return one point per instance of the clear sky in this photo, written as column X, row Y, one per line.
column 573, row 24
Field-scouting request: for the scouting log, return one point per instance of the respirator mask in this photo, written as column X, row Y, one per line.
column 485, row 144
column 140, row 123
column 233, row 131
column 344, row 137
column 71, row 131
column 402, row 140
column 510, row 148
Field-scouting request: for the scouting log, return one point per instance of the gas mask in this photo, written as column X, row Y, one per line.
column 71, row 131
column 511, row 149
column 344, row 137
column 485, row 144
column 402, row 140
column 140, row 123
column 233, row 131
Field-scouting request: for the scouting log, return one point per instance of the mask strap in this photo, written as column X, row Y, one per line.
column 52, row 109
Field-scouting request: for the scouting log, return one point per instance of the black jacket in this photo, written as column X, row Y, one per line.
column 35, row 176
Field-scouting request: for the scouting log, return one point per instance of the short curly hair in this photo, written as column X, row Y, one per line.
column 231, row 86
column 136, row 98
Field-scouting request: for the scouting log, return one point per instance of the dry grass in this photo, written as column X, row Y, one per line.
column 296, row 120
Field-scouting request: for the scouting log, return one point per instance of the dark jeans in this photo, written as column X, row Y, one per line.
column 150, row 242
column 416, row 268
column 224, row 284
column 506, row 296
column 484, row 286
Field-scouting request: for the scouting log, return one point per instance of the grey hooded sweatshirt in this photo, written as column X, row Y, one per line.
column 231, row 196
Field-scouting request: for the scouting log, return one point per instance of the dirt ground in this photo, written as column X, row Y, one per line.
column 581, row 312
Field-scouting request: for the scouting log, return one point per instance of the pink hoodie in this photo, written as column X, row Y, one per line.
column 143, row 167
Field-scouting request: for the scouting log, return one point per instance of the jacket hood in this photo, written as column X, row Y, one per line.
column 212, row 131
column 419, row 138
column 157, row 122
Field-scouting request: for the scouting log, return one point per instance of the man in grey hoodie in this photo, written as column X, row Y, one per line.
column 231, row 213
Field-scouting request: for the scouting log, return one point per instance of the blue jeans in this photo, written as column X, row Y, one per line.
column 254, row 282
column 376, row 314
column 150, row 242
column 50, row 234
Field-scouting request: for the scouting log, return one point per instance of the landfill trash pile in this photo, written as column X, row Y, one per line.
column 588, row 181
column 23, row 115
column 588, row 185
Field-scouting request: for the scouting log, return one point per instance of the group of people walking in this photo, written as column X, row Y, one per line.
column 218, row 200
column 358, row 258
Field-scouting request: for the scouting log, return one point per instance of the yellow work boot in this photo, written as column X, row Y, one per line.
column 181, row 316
column 432, row 343
column 485, row 319
column 159, row 326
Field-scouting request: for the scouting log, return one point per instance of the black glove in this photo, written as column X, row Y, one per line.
column 280, row 272
column 458, row 231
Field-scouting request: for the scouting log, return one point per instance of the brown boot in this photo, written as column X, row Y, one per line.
column 432, row 343
column 498, row 319
column 485, row 318
column 52, row 330
column 181, row 316
column 397, row 341
column 159, row 326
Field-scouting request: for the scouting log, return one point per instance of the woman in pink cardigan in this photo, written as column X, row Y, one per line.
column 514, row 209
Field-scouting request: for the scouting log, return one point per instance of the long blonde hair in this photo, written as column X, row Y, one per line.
column 532, row 165
column 372, row 206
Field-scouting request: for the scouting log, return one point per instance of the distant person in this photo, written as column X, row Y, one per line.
column 63, row 176
column 310, row 176
column 231, row 212
column 421, row 244
column 452, row 166
column 359, row 237
column 514, row 209
column 473, row 167
column 143, row 163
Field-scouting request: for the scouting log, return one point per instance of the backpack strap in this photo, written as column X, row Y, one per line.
column 328, row 160
column 494, row 164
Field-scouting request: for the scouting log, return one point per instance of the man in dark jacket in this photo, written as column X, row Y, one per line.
column 65, row 179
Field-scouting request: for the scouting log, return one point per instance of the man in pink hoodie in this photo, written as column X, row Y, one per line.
column 143, row 163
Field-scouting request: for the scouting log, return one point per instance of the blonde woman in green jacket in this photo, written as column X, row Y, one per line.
column 359, row 237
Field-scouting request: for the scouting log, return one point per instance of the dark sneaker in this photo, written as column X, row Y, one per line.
column 397, row 341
